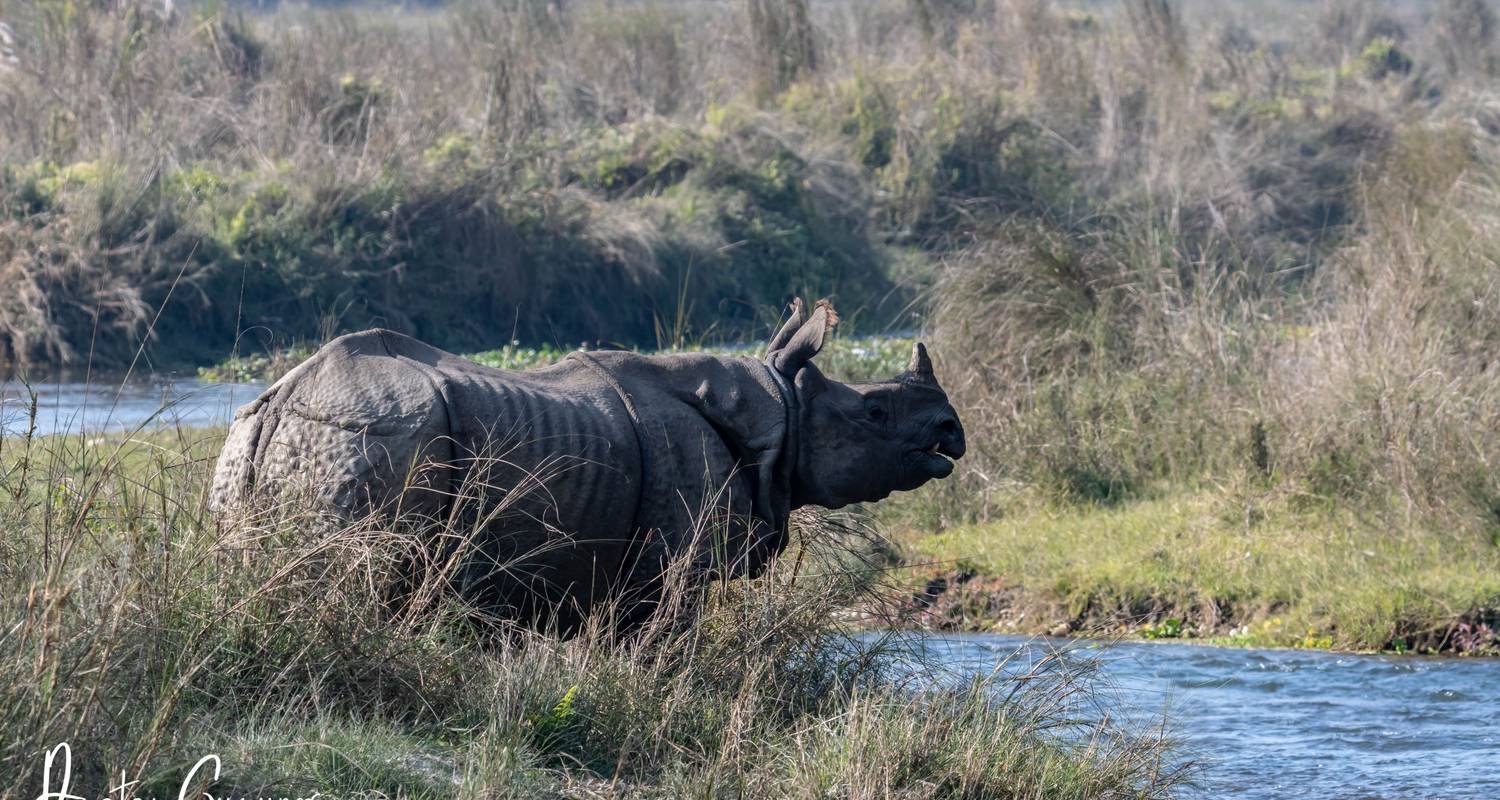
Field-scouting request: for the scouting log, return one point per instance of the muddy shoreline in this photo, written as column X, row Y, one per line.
column 961, row 601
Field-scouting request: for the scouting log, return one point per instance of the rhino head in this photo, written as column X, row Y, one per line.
column 858, row 442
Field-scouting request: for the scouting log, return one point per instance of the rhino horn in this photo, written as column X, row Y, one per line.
column 920, row 366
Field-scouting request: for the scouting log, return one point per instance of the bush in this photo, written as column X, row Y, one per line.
column 1096, row 365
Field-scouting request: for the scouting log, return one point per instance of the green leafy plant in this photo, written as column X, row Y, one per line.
column 1170, row 628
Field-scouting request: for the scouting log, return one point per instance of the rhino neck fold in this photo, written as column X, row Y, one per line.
column 747, row 407
column 787, row 462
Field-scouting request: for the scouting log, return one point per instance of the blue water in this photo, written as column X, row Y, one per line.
column 1292, row 723
column 72, row 407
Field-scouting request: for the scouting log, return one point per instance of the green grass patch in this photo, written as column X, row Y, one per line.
column 845, row 358
column 1233, row 567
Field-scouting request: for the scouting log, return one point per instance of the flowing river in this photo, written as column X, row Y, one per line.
column 114, row 406
column 1291, row 723
column 1260, row 723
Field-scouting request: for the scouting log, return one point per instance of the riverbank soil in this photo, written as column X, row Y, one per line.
column 1209, row 564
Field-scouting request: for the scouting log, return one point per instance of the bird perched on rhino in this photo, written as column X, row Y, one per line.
column 579, row 483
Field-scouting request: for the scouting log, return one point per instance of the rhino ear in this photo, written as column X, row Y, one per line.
column 920, row 366
column 806, row 342
column 795, row 321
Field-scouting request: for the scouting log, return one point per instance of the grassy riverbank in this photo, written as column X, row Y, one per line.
column 1257, row 562
column 219, row 181
column 1218, row 565
column 1228, row 367
column 147, row 636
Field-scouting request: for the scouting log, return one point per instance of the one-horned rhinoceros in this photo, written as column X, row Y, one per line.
column 607, row 465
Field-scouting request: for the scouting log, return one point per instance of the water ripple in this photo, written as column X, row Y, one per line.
column 1273, row 724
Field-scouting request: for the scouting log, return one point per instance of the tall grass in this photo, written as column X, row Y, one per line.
column 147, row 634
column 1097, row 358
column 1270, row 291
column 470, row 176
column 304, row 171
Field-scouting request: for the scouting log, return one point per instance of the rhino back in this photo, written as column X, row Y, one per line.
column 352, row 426
column 540, row 473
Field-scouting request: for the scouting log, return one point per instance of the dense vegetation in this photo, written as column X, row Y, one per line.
column 147, row 635
column 515, row 170
column 1239, row 375
column 1243, row 259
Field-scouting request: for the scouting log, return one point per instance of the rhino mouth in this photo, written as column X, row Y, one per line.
column 935, row 459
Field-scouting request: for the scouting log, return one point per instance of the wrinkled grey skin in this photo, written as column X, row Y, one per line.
column 571, row 503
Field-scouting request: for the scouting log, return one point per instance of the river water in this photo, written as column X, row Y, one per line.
column 1292, row 723
column 112, row 406
column 1261, row 723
